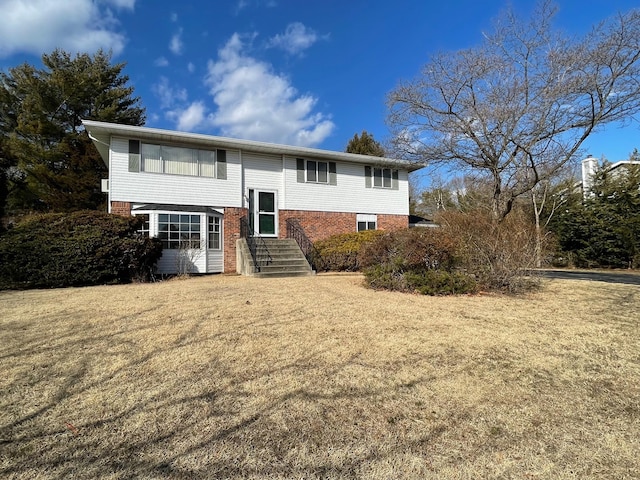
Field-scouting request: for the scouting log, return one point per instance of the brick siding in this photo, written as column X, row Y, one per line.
column 393, row 222
column 231, row 233
column 121, row 208
column 320, row 225
column 316, row 225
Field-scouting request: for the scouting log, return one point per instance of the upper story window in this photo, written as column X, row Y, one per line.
column 317, row 171
column 381, row 177
column 314, row 171
column 146, row 157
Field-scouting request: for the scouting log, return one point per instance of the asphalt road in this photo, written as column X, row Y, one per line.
column 599, row 276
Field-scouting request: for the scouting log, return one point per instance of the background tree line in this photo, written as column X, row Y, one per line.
column 596, row 228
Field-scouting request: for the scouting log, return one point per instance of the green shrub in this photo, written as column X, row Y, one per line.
column 339, row 253
column 386, row 277
column 415, row 260
column 81, row 248
column 441, row 282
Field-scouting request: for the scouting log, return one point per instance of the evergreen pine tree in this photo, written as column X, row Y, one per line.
column 48, row 161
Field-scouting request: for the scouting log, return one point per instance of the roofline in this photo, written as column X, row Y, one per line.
column 97, row 129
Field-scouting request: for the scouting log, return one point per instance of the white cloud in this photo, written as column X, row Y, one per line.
column 295, row 39
column 176, row 46
column 169, row 96
column 173, row 101
column 161, row 62
column 255, row 103
column 129, row 4
column 191, row 67
column 242, row 4
column 39, row 26
column 190, row 118
column 174, row 17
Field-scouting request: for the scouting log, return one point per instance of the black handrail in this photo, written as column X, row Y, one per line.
column 295, row 231
column 255, row 242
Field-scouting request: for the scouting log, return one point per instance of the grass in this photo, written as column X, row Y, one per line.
column 234, row 377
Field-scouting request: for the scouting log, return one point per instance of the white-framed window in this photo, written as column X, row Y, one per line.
column 381, row 177
column 144, row 228
column 317, row 172
column 151, row 158
column 213, row 233
column 179, row 230
column 366, row 222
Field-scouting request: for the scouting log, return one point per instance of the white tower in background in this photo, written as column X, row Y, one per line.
column 589, row 167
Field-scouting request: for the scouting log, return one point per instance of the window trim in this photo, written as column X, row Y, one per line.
column 373, row 173
column 303, row 169
column 145, row 232
column 168, row 242
column 368, row 219
column 316, row 171
column 154, row 226
column 218, row 168
column 218, row 233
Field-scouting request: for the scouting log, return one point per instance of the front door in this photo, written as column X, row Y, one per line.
column 265, row 212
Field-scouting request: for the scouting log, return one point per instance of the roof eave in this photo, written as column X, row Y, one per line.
column 101, row 132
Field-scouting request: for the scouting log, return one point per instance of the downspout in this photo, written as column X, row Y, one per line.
column 94, row 139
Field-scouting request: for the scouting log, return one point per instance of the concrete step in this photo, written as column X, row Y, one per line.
column 278, row 253
column 285, row 262
column 290, row 273
column 280, row 258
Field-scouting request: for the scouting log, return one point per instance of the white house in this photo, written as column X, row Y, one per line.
column 590, row 166
column 197, row 190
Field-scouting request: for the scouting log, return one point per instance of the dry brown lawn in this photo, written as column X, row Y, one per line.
column 235, row 377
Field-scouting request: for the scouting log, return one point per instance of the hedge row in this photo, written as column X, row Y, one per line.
column 466, row 253
column 81, row 248
column 424, row 260
column 339, row 253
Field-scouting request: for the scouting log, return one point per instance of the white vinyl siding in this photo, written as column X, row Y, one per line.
column 143, row 187
column 263, row 172
column 348, row 195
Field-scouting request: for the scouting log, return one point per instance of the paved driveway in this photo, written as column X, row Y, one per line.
column 631, row 278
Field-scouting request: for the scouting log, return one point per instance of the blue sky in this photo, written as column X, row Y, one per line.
column 301, row 72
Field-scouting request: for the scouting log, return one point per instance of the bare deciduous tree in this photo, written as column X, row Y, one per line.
column 518, row 107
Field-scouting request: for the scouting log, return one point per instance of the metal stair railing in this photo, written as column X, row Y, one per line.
column 295, row 231
column 255, row 242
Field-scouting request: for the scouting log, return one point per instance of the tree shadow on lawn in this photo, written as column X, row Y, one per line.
column 204, row 422
column 198, row 402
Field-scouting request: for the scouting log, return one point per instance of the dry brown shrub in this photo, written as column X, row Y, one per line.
column 501, row 254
